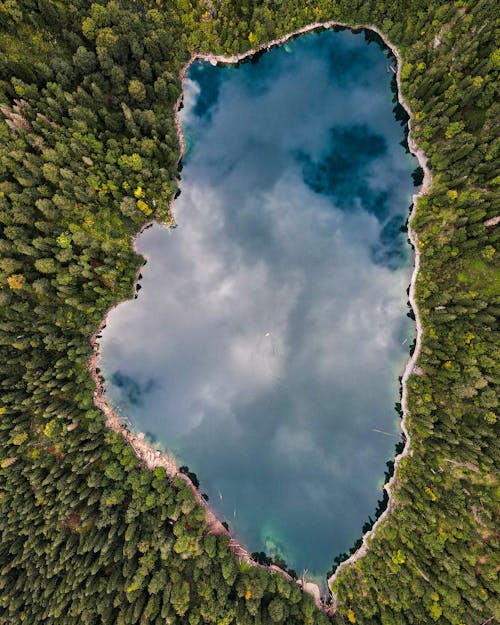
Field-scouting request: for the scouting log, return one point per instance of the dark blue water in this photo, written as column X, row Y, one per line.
column 266, row 342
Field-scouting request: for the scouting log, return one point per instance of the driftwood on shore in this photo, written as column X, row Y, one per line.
column 152, row 457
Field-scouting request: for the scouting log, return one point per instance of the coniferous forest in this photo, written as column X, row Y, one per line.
column 88, row 153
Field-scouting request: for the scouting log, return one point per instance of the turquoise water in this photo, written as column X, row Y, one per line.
column 265, row 345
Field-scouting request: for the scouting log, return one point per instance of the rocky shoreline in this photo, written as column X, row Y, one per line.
column 152, row 457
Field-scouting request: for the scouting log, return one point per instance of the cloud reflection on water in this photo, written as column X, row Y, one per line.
column 268, row 331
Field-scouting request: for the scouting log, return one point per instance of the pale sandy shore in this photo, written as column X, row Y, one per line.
column 152, row 457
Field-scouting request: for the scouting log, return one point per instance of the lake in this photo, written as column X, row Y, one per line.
column 264, row 347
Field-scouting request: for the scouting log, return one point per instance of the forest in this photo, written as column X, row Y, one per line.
column 88, row 154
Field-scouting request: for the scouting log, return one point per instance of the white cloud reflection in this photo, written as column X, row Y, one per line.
column 265, row 329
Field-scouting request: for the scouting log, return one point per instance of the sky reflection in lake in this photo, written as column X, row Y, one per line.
column 265, row 345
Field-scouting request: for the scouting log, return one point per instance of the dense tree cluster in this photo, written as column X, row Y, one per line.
column 88, row 152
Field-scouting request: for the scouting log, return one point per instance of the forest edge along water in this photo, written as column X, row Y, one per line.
column 153, row 458
column 408, row 272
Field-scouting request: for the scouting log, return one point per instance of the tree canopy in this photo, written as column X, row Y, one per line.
column 88, row 152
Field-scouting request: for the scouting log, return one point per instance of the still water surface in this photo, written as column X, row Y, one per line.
column 266, row 342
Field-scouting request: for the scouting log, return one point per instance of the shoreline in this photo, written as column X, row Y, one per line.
column 411, row 365
column 152, row 457
column 144, row 451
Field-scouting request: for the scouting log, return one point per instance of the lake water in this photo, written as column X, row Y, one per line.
column 265, row 345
